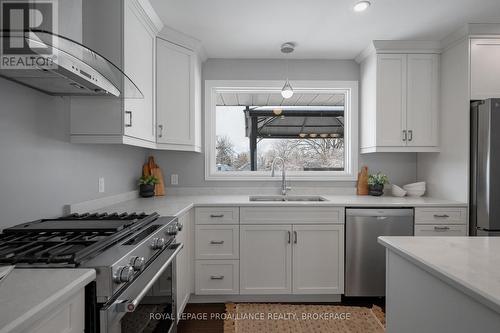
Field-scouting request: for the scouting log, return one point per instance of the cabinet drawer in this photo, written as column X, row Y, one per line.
column 217, row 241
column 217, row 277
column 217, row 215
column 441, row 215
column 292, row 215
column 441, row 230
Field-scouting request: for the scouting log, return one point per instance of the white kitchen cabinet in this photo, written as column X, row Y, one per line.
column 217, row 277
column 441, row 230
column 178, row 101
column 399, row 102
column 184, row 263
column 68, row 317
column 391, row 99
column 265, row 259
column 441, row 221
column 485, row 68
column 318, row 259
column 125, row 33
column 217, row 241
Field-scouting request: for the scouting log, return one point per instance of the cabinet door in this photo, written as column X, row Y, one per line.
column 422, row 100
column 391, row 99
column 139, row 53
column 485, row 68
column 318, row 259
column 175, row 101
column 184, row 263
column 265, row 259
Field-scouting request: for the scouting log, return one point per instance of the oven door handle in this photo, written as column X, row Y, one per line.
column 131, row 305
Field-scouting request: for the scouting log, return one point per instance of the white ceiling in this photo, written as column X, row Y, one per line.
column 321, row 28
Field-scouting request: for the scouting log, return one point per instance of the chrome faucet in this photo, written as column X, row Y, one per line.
column 284, row 187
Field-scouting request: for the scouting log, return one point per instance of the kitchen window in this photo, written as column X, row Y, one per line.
column 249, row 123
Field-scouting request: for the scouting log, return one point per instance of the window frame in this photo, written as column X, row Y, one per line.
column 351, row 147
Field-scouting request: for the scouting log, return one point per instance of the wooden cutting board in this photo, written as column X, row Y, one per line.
column 362, row 188
column 152, row 169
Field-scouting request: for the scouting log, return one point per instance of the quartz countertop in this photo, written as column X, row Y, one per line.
column 29, row 295
column 176, row 205
column 470, row 264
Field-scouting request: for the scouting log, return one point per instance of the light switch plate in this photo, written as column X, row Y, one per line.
column 101, row 185
column 174, row 179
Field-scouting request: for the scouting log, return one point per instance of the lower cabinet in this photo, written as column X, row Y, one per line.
column 291, row 259
column 441, row 221
column 318, row 259
column 265, row 259
column 184, row 262
column 68, row 317
column 217, row 277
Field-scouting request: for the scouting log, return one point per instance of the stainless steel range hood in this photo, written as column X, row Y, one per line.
column 76, row 71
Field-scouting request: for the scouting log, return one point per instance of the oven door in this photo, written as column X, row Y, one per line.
column 129, row 299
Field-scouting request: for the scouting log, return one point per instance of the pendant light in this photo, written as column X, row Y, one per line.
column 287, row 90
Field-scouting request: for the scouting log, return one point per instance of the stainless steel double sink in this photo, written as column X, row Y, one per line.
column 284, row 198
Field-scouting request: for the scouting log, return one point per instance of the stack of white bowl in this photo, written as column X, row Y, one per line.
column 398, row 191
column 415, row 189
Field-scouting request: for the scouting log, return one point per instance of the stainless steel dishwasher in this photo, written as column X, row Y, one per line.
column 365, row 258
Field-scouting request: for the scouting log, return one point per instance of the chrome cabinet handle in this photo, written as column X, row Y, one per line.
column 289, row 237
column 216, row 215
column 410, row 135
column 217, row 242
column 405, row 136
column 160, row 134
column 441, row 228
column 216, row 277
column 129, row 123
column 295, row 237
column 443, row 216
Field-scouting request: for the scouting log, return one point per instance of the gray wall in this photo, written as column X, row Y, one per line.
column 401, row 168
column 40, row 171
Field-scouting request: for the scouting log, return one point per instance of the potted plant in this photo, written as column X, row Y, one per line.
column 376, row 184
column 147, row 186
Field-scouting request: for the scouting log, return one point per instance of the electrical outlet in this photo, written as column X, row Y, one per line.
column 174, row 179
column 101, row 184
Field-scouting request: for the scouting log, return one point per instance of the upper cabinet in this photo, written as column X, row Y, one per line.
column 178, row 97
column 166, row 69
column 485, row 68
column 125, row 32
column 399, row 102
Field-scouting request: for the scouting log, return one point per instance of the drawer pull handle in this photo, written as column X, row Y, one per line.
column 217, row 277
column 217, row 242
column 295, row 237
column 216, row 215
column 441, row 228
column 442, row 216
column 289, row 237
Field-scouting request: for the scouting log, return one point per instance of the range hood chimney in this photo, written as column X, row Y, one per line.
column 76, row 70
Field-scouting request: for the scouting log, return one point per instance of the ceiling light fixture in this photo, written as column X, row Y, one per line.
column 287, row 90
column 361, row 5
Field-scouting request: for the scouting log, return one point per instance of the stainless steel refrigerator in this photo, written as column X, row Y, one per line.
column 485, row 168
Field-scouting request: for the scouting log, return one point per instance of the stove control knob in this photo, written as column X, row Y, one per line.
column 124, row 274
column 137, row 263
column 158, row 243
column 179, row 226
column 172, row 230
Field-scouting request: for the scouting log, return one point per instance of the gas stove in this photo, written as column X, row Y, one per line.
column 116, row 245
column 128, row 251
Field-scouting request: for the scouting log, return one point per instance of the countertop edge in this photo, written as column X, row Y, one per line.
column 434, row 270
column 39, row 310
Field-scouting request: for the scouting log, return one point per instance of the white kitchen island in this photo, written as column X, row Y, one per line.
column 442, row 284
